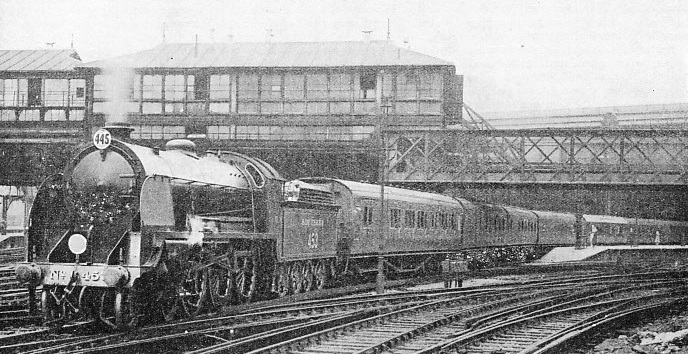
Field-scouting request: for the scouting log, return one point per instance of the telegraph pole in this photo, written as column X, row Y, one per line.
column 382, row 172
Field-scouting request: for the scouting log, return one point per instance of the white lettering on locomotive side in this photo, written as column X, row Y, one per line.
column 60, row 274
column 313, row 240
column 313, row 222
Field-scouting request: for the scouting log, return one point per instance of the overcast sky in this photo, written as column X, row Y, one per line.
column 515, row 55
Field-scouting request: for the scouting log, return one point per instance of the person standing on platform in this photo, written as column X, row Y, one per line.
column 459, row 270
column 446, row 272
column 657, row 240
column 593, row 230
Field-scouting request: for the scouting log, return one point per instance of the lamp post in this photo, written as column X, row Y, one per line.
column 382, row 171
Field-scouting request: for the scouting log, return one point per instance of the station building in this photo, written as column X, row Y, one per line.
column 326, row 91
column 41, row 86
column 42, row 112
column 322, row 100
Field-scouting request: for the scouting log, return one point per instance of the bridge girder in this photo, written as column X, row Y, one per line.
column 620, row 157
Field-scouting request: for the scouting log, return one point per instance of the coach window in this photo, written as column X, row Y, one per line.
column 422, row 220
column 452, row 221
column 367, row 216
column 410, row 218
column 395, row 218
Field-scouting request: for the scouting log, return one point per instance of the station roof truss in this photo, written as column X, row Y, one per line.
column 544, row 156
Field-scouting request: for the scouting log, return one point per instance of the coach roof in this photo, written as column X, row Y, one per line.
column 372, row 191
column 271, row 55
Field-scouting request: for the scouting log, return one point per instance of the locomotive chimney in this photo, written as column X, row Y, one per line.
column 120, row 131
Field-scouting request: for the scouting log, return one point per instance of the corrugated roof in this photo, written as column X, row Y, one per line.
column 271, row 55
column 39, row 60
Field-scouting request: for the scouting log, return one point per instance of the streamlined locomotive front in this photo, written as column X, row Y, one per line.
column 121, row 211
column 83, row 238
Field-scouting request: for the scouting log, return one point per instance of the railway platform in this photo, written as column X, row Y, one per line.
column 668, row 255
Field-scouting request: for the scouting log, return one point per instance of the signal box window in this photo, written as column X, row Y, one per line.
column 152, row 87
column 367, row 84
column 340, row 86
column 174, row 93
column 293, row 86
column 219, row 87
column 271, row 87
column 430, row 85
column 219, row 93
column 200, row 88
column 316, row 86
column 35, row 96
column 407, row 85
column 367, row 216
column 9, row 92
column 56, row 92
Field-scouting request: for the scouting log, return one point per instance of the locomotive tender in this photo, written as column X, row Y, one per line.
column 128, row 232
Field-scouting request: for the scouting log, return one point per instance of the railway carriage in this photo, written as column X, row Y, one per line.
column 556, row 229
column 421, row 227
column 497, row 225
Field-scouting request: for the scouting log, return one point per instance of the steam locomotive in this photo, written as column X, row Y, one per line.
column 129, row 232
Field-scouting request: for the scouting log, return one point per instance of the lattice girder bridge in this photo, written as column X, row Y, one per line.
column 543, row 156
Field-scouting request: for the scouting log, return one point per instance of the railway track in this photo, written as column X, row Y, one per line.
column 430, row 325
column 11, row 255
column 542, row 332
column 274, row 324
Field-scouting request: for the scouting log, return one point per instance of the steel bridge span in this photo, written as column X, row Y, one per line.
column 618, row 157
column 628, row 172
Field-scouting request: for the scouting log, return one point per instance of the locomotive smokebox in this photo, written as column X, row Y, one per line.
column 120, row 131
